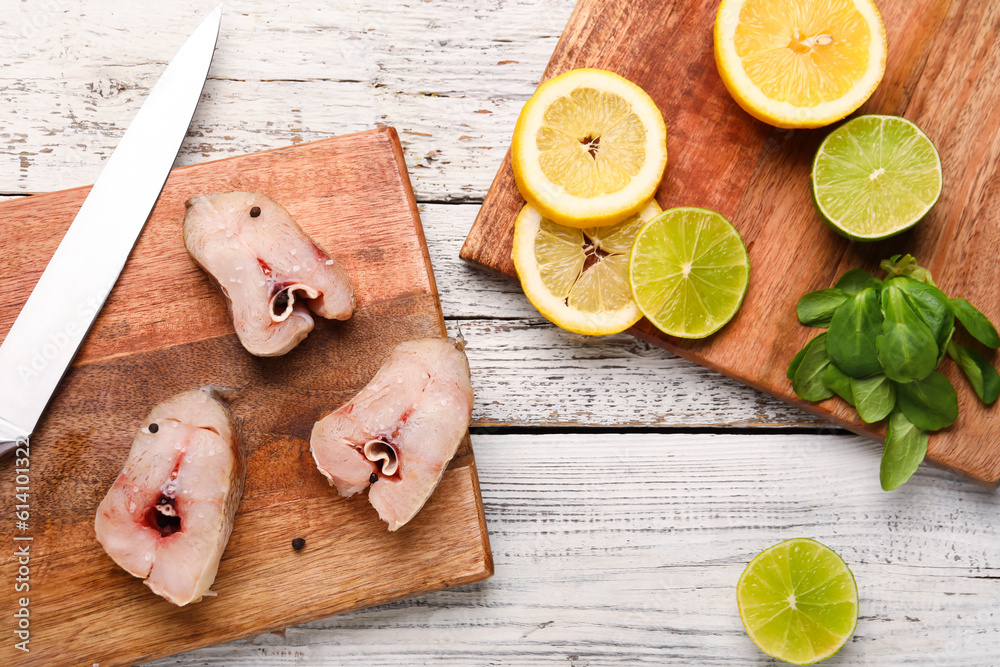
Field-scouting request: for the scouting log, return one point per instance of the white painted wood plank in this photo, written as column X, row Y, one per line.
column 531, row 373
column 451, row 76
column 626, row 549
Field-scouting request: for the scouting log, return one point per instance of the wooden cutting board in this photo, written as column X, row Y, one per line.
column 943, row 73
column 165, row 329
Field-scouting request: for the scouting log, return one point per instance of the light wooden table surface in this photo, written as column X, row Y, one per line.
column 625, row 489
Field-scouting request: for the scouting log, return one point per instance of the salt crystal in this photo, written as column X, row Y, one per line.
column 229, row 233
column 201, row 515
column 239, row 268
column 292, row 252
column 148, row 556
column 144, row 430
column 211, row 452
column 239, row 280
column 131, row 506
column 261, row 283
column 232, row 280
column 329, row 262
column 222, row 225
column 295, row 268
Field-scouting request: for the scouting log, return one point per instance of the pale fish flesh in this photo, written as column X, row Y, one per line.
column 401, row 430
column 271, row 273
column 168, row 516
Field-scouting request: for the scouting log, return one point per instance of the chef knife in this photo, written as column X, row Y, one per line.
column 77, row 280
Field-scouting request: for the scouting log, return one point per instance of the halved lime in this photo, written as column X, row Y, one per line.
column 875, row 176
column 689, row 271
column 798, row 601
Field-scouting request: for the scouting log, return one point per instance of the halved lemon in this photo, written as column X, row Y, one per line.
column 800, row 63
column 578, row 278
column 589, row 148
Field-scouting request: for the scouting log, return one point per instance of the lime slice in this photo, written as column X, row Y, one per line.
column 798, row 601
column 875, row 176
column 689, row 271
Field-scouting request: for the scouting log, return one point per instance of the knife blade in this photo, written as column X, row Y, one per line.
column 78, row 279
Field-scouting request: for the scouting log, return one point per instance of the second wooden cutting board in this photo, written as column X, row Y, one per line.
column 758, row 177
column 165, row 330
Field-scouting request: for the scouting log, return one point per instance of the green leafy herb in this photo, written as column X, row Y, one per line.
column 839, row 381
column 905, row 265
column 975, row 323
column 874, row 397
column 808, row 380
column 853, row 329
column 931, row 305
column 885, row 340
column 931, row 404
column 795, row 363
column 905, row 448
column 856, row 280
column 981, row 374
column 907, row 350
column 816, row 309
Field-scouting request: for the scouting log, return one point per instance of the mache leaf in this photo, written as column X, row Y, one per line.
column 978, row 371
column 816, row 309
column 931, row 404
column 853, row 329
column 855, row 280
column 932, row 307
column 839, row 382
column 975, row 323
column 808, row 380
column 796, row 361
column 874, row 397
column 907, row 349
column 905, row 448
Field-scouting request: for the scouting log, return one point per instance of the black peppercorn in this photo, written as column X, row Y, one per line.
column 255, row 211
column 154, row 427
column 298, row 543
column 373, row 478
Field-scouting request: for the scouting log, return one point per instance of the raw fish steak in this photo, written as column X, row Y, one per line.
column 168, row 515
column 271, row 273
column 399, row 433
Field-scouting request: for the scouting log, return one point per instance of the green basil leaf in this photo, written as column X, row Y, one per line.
column 840, row 382
column 816, row 309
column 931, row 404
column 851, row 341
column 808, row 380
column 975, row 323
column 796, row 361
column 906, row 349
column 981, row 374
column 905, row 448
column 856, row 280
column 875, row 397
column 931, row 305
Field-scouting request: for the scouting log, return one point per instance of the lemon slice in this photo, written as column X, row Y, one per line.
column 578, row 278
column 689, row 271
column 800, row 63
column 589, row 148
